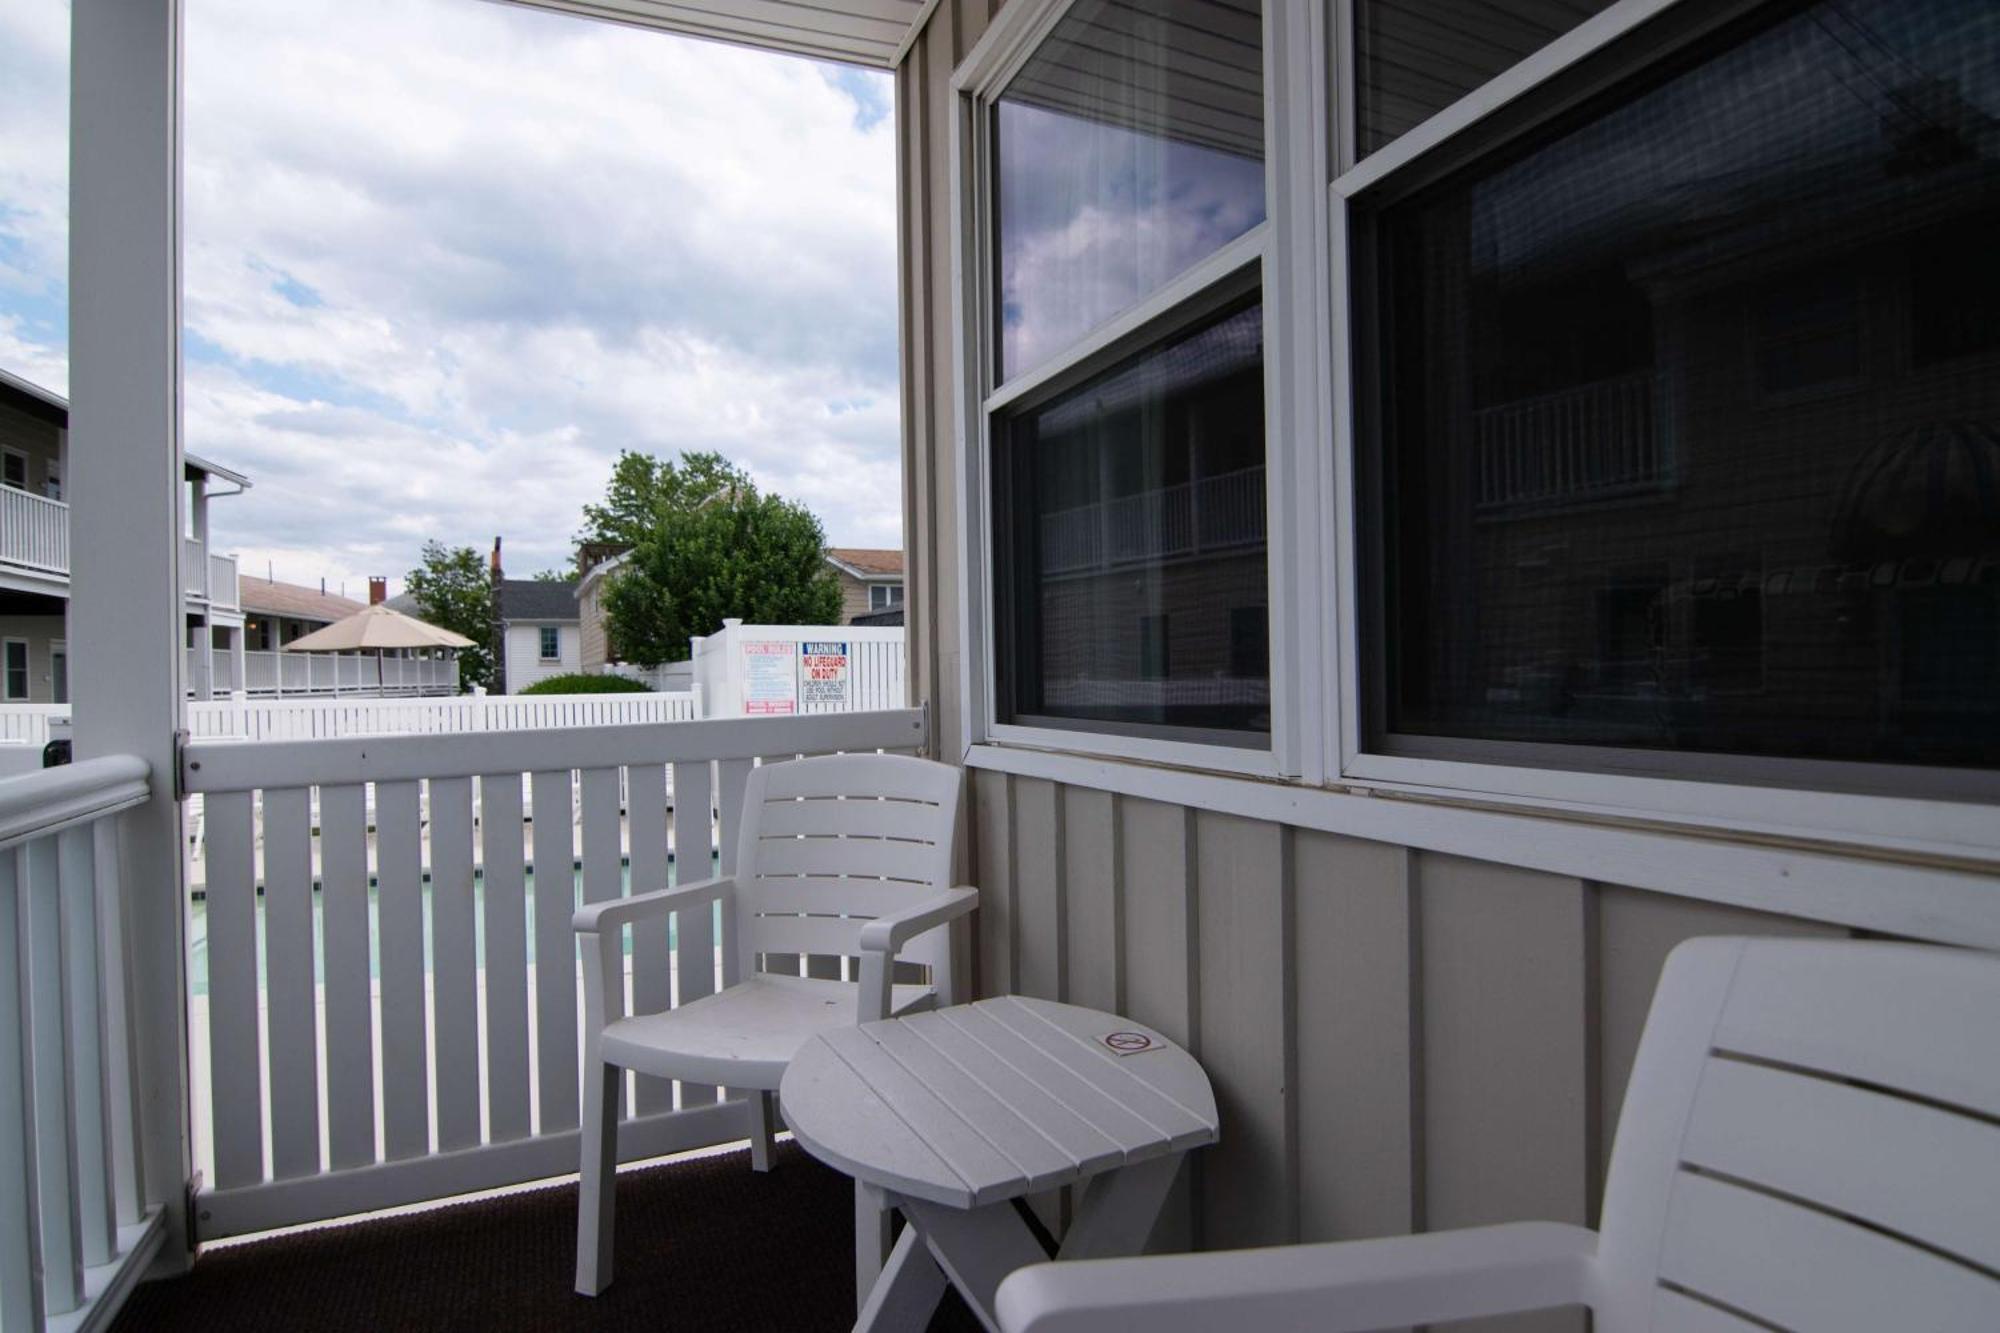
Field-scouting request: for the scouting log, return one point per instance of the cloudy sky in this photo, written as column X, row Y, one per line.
column 445, row 258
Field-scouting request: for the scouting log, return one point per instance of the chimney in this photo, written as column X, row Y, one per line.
column 378, row 589
column 496, row 560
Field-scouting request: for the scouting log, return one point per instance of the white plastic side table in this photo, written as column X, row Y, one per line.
column 955, row 1113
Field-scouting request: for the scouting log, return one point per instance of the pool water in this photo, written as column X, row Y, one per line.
column 198, row 924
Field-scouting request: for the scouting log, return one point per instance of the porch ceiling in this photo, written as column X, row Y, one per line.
column 860, row 32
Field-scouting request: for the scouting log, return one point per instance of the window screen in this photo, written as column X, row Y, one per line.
column 1132, row 540
column 1684, row 417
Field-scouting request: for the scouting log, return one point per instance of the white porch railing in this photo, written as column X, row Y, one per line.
column 454, row 1068
column 194, row 569
column 34, row 531
column 1210, row 514
column 1591, row 442
column 224, row 593
column 269, row 672
column 75, row 1231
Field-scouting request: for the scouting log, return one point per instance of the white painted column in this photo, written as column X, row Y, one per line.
column 238, row 677
column 126, row 624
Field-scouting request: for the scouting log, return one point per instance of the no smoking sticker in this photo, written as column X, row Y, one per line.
column 1127, row 1042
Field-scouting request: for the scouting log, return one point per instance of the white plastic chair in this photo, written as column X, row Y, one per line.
column 842, row 854
column 1809, row 1141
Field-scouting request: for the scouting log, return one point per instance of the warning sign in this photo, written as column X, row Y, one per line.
column 770, row 678
column 823, row 676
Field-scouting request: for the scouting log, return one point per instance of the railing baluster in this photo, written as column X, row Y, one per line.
column 350, row 1045
column 234, row 1053
column 399, row 908
column 694, row 931
column 731, row 777
column 597, row 790
column 506, row 915
column 55, row 1110
column 556, row 1065
column 20, row 1189
column 652, row 964
column 119, row 1076
column 290, row 988
column 454, row 975
column 96, row 1218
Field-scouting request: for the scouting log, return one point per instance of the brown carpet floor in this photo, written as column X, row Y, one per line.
column 702, row 1245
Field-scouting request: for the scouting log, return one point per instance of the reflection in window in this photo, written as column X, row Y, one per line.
column 1130, row 146
column 1417, row 57
column 1689, row 415
column 1129, row 525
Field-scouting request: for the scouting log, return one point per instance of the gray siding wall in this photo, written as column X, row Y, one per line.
column 1400, row 1039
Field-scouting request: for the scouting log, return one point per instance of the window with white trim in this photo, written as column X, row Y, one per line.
column 551, row 644
column 15, row 667
column 1677, row 400
column 882, row 596
column 1121, row 365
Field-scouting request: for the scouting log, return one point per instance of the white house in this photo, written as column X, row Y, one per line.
column 1411, row 513
column 539, row 633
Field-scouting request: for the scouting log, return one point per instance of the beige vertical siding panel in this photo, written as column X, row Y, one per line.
column 1249, row 1189
column 1157, row 857
column 1094, row 965
column 993, row 849
column 1353, row 953
column 1040, row 966
column 1638, row 930
column 1508, row 1051
column 1156, row 845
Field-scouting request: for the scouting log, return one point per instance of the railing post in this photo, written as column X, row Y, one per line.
column 125, row 478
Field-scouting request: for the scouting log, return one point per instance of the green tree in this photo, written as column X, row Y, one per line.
column 643, row 489
column 736, row 552
column 553, row 575
column 454, row 591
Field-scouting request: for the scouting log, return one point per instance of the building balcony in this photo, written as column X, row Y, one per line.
column 34, row 555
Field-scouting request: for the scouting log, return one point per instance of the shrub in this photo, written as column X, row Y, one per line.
column 577, row 683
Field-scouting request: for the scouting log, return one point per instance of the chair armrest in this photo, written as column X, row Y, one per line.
column 1333, row 1288
column 884, row 937
column 615, row 912
column 888, row 934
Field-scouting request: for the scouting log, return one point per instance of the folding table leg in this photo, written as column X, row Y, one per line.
column 1119, row 1209
column 907, row 1293
column 976, row 1248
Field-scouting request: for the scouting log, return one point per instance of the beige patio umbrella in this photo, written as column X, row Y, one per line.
column 378, row 628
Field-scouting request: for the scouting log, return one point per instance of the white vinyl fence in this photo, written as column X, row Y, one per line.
column 800, row 670
column 322, row 719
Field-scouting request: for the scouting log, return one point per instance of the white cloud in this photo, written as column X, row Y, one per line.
column 444, row 259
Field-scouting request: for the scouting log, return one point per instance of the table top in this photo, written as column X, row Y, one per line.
column 982, row 1102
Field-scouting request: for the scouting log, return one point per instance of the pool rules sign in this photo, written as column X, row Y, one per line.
column 823, row 677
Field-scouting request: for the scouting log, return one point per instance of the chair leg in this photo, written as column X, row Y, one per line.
column 597, row 1191
column 871, row 1240
column 763, row 1107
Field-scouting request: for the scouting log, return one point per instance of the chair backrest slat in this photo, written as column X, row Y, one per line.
column 829, row 843
column 1811, row 1139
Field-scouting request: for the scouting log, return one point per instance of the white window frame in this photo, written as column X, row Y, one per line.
column 541, row 643
column 1290, row 247
column 1926, row 826
column 27, row 671
column 58, row 684
column 9, row 451
column 1313, row 169
column 892, row 596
